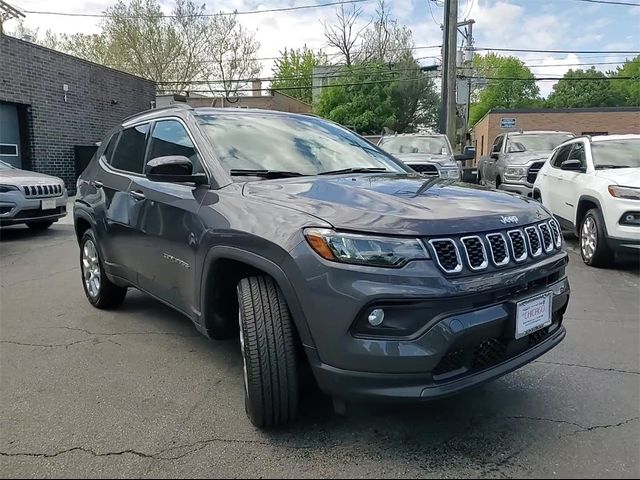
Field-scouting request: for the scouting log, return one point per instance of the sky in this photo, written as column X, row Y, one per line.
column 526, row 24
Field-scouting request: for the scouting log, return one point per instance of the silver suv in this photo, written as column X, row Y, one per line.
column 29, row 197
column 516, row 157
column 426, row 153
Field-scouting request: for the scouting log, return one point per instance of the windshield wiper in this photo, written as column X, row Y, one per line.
column 355, row 170
column 263, row 173
column 606, row 167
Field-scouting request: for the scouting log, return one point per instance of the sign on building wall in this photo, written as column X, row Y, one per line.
column 507, row 123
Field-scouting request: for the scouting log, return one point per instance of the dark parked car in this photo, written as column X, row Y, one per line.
column 316, row 245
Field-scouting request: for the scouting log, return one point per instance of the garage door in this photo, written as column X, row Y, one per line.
column 10, row 135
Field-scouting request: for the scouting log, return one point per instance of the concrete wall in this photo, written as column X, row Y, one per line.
column 98, row 98
column 579, row 121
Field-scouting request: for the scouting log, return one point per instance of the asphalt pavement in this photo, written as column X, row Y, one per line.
column 138, row 392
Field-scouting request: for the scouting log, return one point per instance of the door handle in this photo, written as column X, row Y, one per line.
column 97, row 183
column 137, row 195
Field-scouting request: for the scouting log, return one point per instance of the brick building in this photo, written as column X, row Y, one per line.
column 51, row 102
column 581, row 121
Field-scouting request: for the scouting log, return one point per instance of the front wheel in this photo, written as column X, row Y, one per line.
column 268, row 353
column 593, row 241
column 100, row 291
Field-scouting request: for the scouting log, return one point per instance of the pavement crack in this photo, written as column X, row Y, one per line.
column 631, row 372
column 49, row 345
column 602, row 427
column 542, row 419
column 116, row 334
column 164, row 454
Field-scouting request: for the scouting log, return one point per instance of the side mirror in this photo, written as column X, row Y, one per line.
column 173, row 169
column 495, row 155
column 572, row 166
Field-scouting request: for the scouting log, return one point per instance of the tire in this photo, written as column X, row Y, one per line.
column 268, row 353
column 593, row 240
column 40, row 226
column 102, row 293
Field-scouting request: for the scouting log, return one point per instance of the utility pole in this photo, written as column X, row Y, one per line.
column 448, row 104
column 466, row 65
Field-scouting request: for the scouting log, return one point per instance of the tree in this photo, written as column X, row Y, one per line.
column 510, row 84
column 385, row 40
column 572, row 92
column 21, row 31
column 627, row 91
column 294, row 70
column 344, row 35
column 174, row 50
column 371, row 96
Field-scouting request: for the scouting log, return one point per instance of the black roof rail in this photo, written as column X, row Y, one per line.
column 183, row 106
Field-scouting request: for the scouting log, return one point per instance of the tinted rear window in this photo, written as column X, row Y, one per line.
column 129, row 154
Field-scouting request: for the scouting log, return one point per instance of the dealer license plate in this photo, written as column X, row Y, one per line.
column 533, row 314
column 48, row 204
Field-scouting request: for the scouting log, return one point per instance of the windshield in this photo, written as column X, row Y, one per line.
column 5, row 166
column 436, row 145
column 306, row 145
column 536, row 142
column 616, row 153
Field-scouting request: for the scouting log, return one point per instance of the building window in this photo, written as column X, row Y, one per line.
column 593, row 134
column 482, row 145
column 9, row 149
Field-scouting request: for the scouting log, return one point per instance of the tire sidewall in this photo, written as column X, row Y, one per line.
column 89, row 235
column 602, row 254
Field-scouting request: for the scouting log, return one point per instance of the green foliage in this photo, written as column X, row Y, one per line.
column 571, row 93
column 294, row 69
column 516, row 89
column 370, row 96
column 627, row 91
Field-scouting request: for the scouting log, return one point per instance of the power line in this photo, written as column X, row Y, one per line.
column 615, row 52
column 432, row 16
column 219, row 14
column 604, row 2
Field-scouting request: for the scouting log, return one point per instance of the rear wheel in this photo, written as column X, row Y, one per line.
column 100, row 291
column 39, row 226
column 268, row 353
column 593, row 241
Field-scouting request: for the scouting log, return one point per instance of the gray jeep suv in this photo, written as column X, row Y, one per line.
column 320, row 249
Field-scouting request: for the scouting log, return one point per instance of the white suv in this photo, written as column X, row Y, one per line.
column 592, row 186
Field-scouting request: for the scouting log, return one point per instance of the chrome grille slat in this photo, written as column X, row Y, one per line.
column 533, row 241
column 557, row 233
column 518, row 245
column 475, row 252
column 499, row 249
column 547, row 240
column 447, row 254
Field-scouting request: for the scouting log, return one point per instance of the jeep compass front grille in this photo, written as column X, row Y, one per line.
column 497, row 249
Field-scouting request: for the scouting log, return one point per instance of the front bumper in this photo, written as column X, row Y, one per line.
column 353, row 385
column 453, row 314
column 16, row 209
column 519, row 188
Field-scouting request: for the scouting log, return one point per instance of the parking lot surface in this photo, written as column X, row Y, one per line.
column 138, row 392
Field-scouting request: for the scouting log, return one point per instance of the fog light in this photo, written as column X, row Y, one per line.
column 376, row 317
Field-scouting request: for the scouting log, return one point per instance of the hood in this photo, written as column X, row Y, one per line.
column 525, row 157
column 410, row 158
column 397, row 204
column 627, row 177
column 21, row 177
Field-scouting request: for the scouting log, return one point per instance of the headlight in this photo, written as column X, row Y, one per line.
column 8, row 188
column 628, row 193
column 450, row 173
column 364, row 249
column 516, row 171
